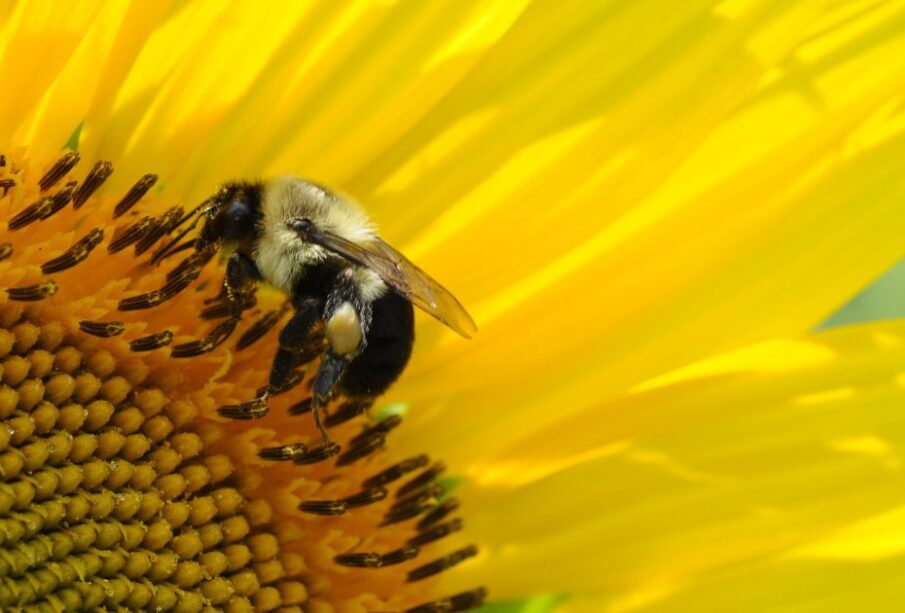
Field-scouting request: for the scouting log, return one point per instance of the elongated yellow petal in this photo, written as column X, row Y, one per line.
column 732, row 209
column 36, row 41
column 690, row 496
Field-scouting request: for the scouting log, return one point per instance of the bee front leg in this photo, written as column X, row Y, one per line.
column 239, row 283
column 241, row 279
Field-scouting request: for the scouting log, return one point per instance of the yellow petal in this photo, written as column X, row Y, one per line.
column 712, row 492
column 36, row 41
column 728, row 210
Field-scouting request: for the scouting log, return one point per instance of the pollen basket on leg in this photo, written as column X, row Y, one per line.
column 111, row 381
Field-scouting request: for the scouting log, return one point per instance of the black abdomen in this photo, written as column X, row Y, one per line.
column 390, row 338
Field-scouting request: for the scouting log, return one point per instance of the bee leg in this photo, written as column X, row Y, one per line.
column 346, row 317
column 240, row 280
column 292, row 339
column 328, row 374
column 238, row 284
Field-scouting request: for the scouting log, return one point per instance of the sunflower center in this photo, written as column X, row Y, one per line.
column 120, row 483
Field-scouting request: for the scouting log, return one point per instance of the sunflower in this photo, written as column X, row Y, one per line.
column 646, row 206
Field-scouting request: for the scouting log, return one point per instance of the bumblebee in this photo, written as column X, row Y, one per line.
column 322, row 250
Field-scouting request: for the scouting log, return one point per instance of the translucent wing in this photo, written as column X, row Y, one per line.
column 399, row 273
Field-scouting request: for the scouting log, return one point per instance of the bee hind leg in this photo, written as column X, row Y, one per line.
column 328, row 375
column 293, row 341
column 346, row 320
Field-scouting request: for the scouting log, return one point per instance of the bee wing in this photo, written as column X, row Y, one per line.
column 402, row 275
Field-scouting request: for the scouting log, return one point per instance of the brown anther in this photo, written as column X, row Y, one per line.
column 381, row 427
column 324, row 507
column 454, row 604
column 434, row 490
column 151, row 235
column 258, row 329
column 253, row 409
column 75, row 254
column 446, row 507
column 284, row 452
column 152, row 341
column 397, row 471
column 32, row 293
column 293, row 380
column 156, row 297
column 366, row 497
column 43, row 208
column 319, row 454
column 171, row 218
column 441, row 564
column 5, row 185
column 31, row 213
column 400, row 514
column 376, row 560
column 359, row 560
column 103, row 329
column 158, row 228
column 187, row 244
column 422, row 479
column 225, row 308
column 134, row 194
column 59, row 170
column 128, row 235
column 303, row 406
column 347, row 411
column 195, row 260
column 93, row 181
column 363, row 449
column 6, row 250
column 208, row 343
column 59, row 200
column 142, row 301
column 177, row 283
column 435, row 533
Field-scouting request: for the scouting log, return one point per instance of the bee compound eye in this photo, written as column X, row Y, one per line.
column 301, row 225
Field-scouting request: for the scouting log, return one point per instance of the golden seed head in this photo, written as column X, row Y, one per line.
column 121, row 486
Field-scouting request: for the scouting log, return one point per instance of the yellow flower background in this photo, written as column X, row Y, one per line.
column 646, row 206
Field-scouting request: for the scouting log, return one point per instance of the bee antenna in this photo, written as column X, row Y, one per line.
column 197, row 213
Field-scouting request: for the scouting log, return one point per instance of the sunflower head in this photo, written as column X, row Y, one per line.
column 121, row 484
